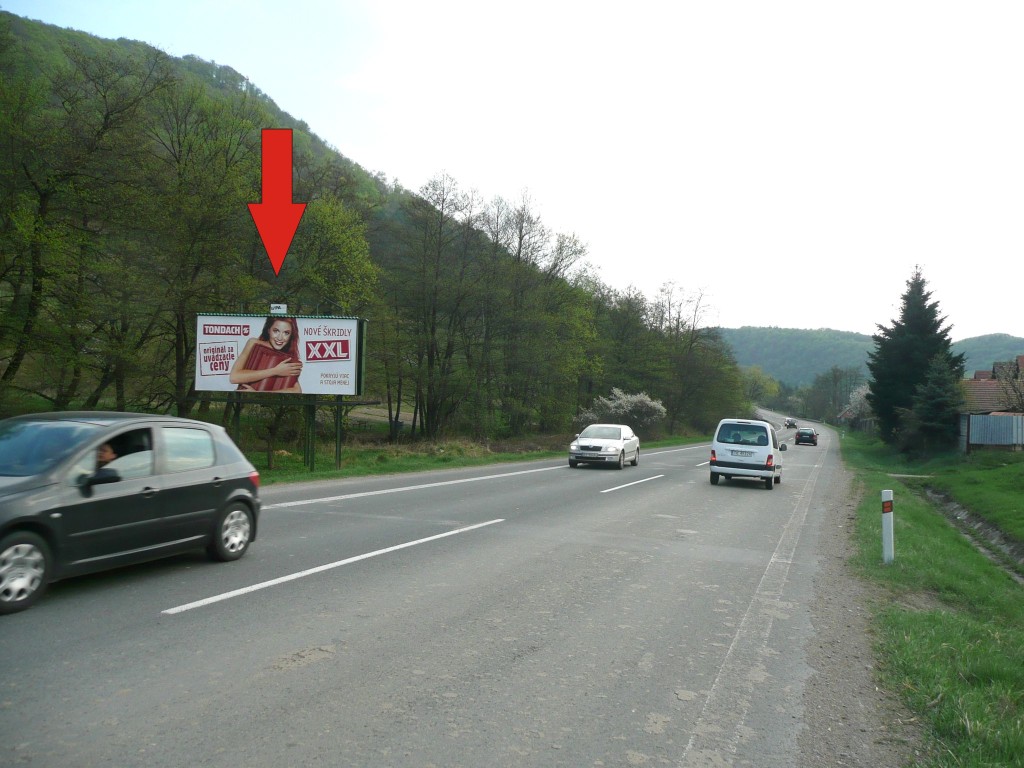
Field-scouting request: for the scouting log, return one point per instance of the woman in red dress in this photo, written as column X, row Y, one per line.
column 270, row 363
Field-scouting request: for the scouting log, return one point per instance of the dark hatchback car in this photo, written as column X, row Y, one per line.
column 806, row 435
column 88, row 491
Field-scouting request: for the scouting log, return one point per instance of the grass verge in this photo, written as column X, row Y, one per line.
column 949, row 622
column 363, row 460
column 358, row 460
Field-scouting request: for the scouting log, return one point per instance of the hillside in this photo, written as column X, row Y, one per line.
column 795, row 356
column 137, row 170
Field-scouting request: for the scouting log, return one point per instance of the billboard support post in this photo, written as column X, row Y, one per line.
column 310, row 410
column 339, row 407
column 238, row 414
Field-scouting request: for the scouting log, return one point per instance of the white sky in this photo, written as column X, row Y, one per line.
column 803, row 155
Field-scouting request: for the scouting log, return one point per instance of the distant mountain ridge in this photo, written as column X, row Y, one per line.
column 795, row 356
column 792, row 356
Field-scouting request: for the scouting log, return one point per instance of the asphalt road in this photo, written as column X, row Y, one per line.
column 514, row 615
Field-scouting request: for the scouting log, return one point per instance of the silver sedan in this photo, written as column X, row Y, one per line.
column 613, row 444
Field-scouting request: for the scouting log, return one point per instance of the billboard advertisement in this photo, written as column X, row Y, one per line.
column 285, row 354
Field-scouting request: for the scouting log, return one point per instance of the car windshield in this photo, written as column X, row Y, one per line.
column 602, row 433
column 31, row 447
column 743, row 434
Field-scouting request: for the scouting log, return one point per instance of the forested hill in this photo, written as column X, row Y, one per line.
column 126, row 177
column 795, row 356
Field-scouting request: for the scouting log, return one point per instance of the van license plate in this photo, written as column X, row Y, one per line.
column 742, row 453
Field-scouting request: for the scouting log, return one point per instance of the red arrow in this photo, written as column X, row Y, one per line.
column 277, row 217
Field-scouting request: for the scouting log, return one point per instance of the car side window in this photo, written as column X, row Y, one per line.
column 132, row 454
column 187, row 448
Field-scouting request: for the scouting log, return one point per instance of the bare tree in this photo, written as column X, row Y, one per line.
column 1011, row 380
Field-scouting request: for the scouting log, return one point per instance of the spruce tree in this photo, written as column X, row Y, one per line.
column 934, row 422
column 903, row 352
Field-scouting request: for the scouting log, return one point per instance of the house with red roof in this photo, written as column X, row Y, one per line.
column 991, row 417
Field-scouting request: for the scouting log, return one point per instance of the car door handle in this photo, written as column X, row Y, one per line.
column 217, row 482
column 149, row 492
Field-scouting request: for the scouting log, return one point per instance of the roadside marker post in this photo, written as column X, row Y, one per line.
column 887, row 543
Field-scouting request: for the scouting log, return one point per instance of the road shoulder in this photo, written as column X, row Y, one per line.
column 851, row 720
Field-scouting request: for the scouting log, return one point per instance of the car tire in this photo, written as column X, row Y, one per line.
column 769, row 483
column 572, row 464
column 778, row 479
column 714, row 478
column 636, row 458
column 622, row 460
column 232, row 534
column 25, row 569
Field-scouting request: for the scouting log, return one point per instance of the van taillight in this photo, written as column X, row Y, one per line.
column 712, row 455
column 770, row 462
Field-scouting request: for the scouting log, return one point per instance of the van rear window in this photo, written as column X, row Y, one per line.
column 743, row 434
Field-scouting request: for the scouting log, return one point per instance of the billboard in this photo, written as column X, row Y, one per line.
column 279, row 353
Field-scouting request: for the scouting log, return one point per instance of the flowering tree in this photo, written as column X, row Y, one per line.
column 638, row 410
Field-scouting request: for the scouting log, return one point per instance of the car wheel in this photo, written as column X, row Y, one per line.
column 778, row 479
column 769, row 483
column 232, row 534
column 622, row 460
column 714, row 478
column 572, row 464
column 25, row 566
column 636, row 458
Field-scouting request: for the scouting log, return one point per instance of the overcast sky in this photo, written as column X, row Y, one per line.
column 790, row 162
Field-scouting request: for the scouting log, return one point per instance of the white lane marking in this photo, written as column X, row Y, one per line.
column 320, row 569
column 635, row 482
column 403, row 489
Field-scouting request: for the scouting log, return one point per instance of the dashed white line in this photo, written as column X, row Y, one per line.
column 636, row 482
column 319, row 569
column 403, row 489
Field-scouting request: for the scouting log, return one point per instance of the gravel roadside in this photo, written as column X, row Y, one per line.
column 850, row 720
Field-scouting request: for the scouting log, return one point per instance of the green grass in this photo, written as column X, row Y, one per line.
column 378, row 458
column 990, row 484
column 364, row 460
column 949, row 623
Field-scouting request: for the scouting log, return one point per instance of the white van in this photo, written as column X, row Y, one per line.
column 746, row 448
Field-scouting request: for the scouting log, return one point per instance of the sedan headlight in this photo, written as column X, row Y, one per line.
column 574, row 447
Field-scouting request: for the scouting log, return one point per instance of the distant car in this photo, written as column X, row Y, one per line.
column 175, row 485
column 613, row 444
column 790, row 423
column 806, row 435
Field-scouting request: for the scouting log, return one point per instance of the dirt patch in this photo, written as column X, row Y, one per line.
column 851, row 720
column 920, row 602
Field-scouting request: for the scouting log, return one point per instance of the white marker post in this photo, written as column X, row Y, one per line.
column 887, row 544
